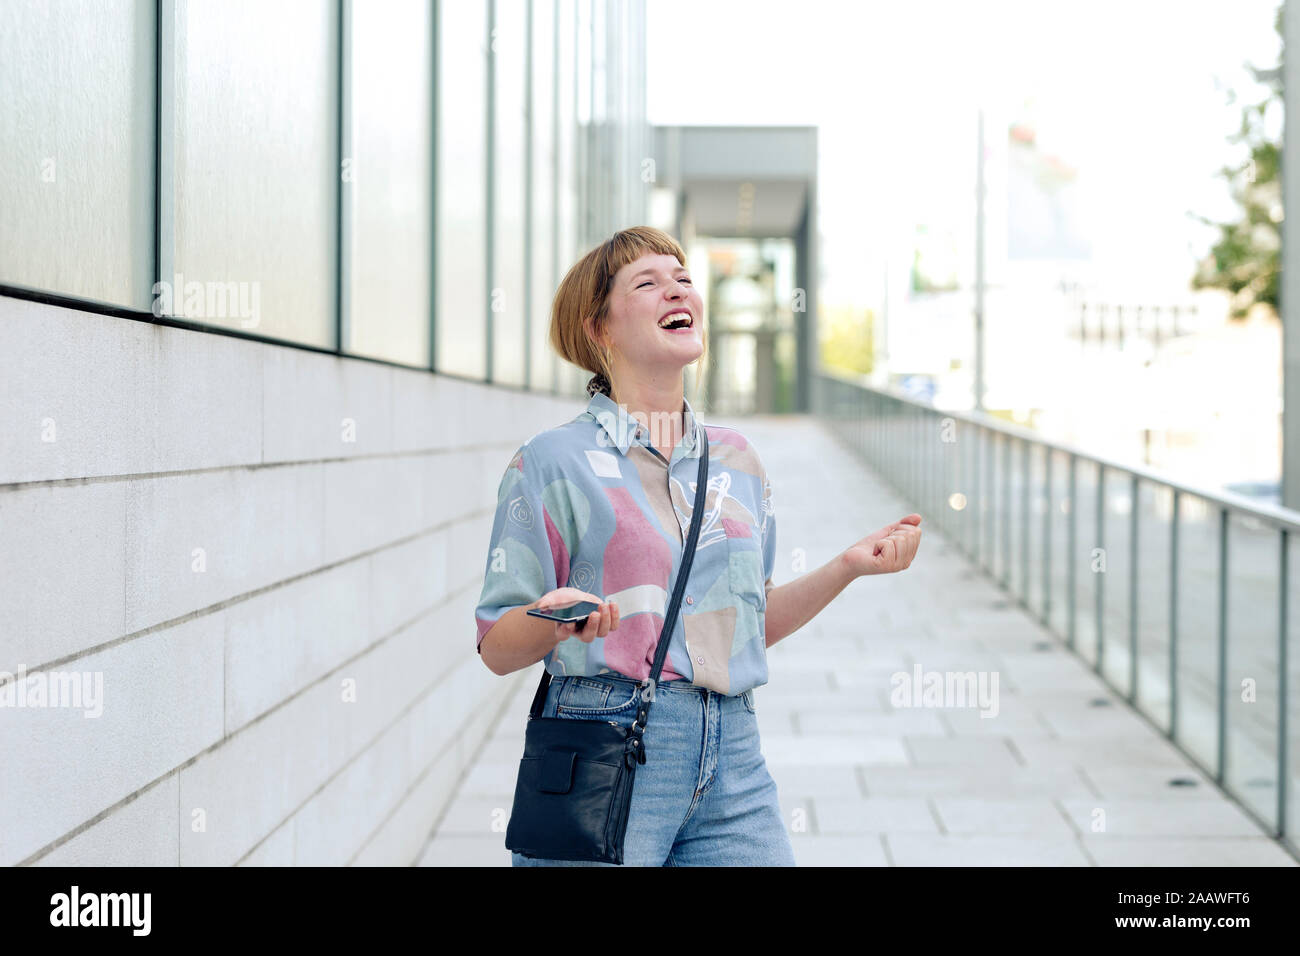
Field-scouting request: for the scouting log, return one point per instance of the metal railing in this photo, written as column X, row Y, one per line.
column 1177, row 597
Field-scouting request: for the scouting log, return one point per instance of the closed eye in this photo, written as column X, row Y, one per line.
column 647, row 282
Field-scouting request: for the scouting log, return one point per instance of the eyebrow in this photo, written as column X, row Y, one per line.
column 651, row 271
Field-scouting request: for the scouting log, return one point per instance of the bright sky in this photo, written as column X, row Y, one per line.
column 1124, row 91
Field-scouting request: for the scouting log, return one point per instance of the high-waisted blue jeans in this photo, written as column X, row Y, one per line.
column 704, row 796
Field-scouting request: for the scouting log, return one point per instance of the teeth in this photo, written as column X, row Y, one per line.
column 676, row 317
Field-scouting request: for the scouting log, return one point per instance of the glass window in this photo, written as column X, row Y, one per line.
column 586, row 171
column 510, row 170
column 582, row 62
column 76, row 145
column 542, row 240
column 461, row 281
column 566, row 143
column 387, row 177
column 573, row 96
column 254, row 162
column 635, row 133
column 616, row 120
column 599, row 169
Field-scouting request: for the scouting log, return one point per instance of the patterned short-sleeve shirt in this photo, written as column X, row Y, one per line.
column 592, row 505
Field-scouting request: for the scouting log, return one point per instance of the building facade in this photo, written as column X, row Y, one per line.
column 275, row 282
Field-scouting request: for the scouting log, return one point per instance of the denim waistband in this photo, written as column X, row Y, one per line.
column 680, row 685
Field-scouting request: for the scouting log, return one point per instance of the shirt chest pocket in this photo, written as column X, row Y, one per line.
column 745, row 564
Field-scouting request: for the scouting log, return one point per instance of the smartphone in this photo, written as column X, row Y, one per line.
column 563, row 615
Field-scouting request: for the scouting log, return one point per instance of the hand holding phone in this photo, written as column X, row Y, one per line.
column 576, row 612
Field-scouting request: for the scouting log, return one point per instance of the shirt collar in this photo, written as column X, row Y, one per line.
column 621, row 427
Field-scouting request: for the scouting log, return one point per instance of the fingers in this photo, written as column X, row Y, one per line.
column 608, row 618
column 599, row 622
column 905, row 522
column 905, row 546
column 592, row 629
column 895, row 551
column 596, row 624
column 581, row 629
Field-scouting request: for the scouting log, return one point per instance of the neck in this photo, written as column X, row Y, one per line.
column 655, row 401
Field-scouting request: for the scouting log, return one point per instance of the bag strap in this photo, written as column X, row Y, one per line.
column 670, row 616
column 688, row 558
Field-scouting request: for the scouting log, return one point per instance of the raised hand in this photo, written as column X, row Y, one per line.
column 890, row 549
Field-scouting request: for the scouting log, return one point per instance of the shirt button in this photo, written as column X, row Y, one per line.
column 689, row 599
column 699, row 660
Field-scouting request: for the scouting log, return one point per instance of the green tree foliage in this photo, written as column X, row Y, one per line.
column 846, row 339
column 1245, row 261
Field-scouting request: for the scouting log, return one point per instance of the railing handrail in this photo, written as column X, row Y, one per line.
column 1275, row 515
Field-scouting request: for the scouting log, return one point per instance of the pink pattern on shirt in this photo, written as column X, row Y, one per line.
column 559, row 552
column 636, row 554
column 736, row 529
column 725, row 436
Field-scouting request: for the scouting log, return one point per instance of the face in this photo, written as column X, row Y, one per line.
column 646, row 291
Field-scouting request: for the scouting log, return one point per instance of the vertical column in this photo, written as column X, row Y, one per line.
column 170, row 25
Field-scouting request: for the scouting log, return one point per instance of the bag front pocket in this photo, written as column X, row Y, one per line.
column 571, row 819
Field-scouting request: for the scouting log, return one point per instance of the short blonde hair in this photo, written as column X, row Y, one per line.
column 584, row 294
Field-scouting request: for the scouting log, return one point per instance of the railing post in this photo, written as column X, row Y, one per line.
column 864, row 423
column 931, row 463
column 1099, row 583
column 917, row 457
column 1223, row 647
column 1283, row 674
column 911, row 480
column 1006, row 513
column 986, row 459
column 970, row 486
column 1047, row 537
column 1024, row 524
column 986, row 455
column 1133, row 591
column 1072, row 586
column 1173, row 618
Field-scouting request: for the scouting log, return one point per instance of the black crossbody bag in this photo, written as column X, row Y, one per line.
column 575, row 778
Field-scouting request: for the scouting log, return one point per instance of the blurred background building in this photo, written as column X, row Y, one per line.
column 744, row 202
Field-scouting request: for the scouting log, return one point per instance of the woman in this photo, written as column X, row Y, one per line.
column 597, row 510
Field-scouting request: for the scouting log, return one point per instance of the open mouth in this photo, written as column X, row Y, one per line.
column 676, row 321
